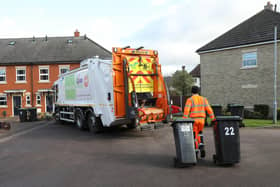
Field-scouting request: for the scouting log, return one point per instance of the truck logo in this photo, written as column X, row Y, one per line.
column 79, row 79
column 86, row 81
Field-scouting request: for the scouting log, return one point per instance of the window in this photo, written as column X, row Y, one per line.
column 44, row 74
column 38, row 99
column 3, row 100
column 69, row 41
column 2, row 75
column 12, row 42
column 249, row 59
column 63, row 69
column 28, row 100
column 20, row 74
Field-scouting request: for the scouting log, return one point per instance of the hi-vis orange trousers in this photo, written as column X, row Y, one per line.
column 197, row 131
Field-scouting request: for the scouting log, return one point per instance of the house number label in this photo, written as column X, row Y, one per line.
column 229, row 131
column 185, row 128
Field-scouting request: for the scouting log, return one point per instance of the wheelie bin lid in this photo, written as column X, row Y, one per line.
column 216, row 105
column 228, row 118
column 22, row 109
column 182, row 120
column 235, row 105
column 29, row 108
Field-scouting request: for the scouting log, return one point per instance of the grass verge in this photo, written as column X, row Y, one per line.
column 249, row 122
column 258, row 122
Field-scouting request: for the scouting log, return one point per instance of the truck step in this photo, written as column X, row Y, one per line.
column 68, row 120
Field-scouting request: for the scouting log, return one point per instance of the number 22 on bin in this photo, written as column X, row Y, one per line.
column 229, row 131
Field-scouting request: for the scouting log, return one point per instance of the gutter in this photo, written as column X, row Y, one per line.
column 39, row 63
column 235, row 47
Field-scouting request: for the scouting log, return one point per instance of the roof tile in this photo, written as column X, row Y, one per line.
column 52, row 50
column 257, row 29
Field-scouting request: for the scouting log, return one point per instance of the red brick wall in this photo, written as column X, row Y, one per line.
column 12, row 85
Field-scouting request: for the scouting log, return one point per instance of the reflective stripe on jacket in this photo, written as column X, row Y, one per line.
column 196, row 107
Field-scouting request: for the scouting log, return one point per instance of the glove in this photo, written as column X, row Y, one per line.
column 213, row 122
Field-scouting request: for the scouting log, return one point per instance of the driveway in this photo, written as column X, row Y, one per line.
column 61, row 155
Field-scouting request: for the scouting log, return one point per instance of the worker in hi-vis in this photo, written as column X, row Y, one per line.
column 196, row 108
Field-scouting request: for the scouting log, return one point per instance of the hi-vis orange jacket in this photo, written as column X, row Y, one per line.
column 196, row 107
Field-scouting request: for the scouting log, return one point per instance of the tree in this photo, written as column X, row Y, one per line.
column 182, row 82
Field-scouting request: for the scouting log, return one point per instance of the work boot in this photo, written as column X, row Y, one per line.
column 202, row 153
column 201, row 145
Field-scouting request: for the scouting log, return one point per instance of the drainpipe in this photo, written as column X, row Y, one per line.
column 275, row 77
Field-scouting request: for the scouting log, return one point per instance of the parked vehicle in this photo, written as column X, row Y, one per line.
column 129, row 89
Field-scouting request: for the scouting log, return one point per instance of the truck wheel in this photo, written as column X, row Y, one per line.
column 93, row 123
column 57, row 118
column 80, row 120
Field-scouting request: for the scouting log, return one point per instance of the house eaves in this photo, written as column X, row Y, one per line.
column 236, row 47
column 257, row 30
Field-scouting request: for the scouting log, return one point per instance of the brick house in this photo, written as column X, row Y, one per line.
column 29, row 67
column 237, row 67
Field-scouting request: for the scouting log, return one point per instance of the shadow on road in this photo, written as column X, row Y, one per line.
column 70, row 131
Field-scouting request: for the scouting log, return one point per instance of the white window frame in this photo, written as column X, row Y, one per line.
column 44, row 74
column 38, row 100
column 63, row 67
column 5, row 100
column 26, row 100
column 21, row 68
column 5, row 75
column 246, row 53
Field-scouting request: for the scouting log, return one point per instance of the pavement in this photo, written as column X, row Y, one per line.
column 61, row 155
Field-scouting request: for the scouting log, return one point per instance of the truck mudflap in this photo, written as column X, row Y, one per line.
column 151, row 115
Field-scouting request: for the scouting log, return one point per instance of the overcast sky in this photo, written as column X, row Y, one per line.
column 176, row 28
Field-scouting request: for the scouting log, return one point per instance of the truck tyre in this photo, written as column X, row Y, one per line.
column 80, row 120
column 93, row 123
column 57, row 118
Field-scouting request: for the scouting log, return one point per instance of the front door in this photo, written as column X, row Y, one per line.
column 17, row 104
column 49, row 103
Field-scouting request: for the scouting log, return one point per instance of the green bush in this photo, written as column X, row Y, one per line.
column 278, row 113
column 252, row 115
column 4, row 113
column 262, row 109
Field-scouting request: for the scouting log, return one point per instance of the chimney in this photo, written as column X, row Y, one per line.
column 183, row 68
column 268, row 6
column 77, row 33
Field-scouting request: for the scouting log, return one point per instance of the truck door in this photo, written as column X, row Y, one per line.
column 119, row 86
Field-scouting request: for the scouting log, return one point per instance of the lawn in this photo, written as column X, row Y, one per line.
column 258, row 122
column 251, row 122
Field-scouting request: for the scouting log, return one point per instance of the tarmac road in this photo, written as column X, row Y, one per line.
column 61, row 155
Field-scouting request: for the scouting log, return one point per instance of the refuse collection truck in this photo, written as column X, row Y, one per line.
column 127, row 90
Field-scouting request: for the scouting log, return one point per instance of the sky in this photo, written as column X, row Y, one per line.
column 176, row 28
